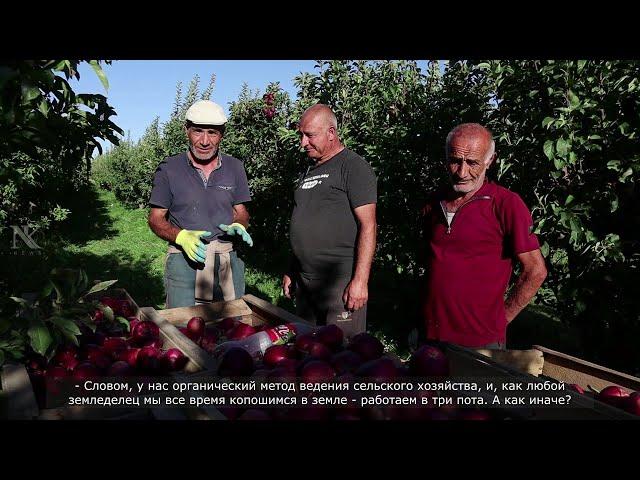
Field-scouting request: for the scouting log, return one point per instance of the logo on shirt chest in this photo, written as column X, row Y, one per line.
column 313, row 181
column 226, row 187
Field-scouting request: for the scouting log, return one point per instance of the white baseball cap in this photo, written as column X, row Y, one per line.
column 205, row 112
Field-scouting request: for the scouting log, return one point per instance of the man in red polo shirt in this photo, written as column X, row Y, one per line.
column 474, row 232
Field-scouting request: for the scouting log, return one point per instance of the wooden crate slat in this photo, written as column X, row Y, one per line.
column 569, row 369
column 200, row 357
column 18, row 395
column 209, row 312
column 529, row 361
column 466, row 362
column 271, row 313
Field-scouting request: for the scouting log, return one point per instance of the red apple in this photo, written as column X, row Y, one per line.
column 317, row 371
column 367, row 346
column 274, row 355
column 429, row 361
column 196, row 327
column 120, row 369
column 632, row 403
column 236, row 362
column 345, row 362
column 174, row 360
column 145, row 332
column 240, row 331
column 613, row 395
column 330, row 335
column 114, row 345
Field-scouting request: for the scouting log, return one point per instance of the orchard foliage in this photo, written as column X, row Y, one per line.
column 567, row 141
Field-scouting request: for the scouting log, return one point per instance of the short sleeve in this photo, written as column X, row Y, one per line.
column 242, row 194
column 518, row 226
column 362, row 186
column 161, row 195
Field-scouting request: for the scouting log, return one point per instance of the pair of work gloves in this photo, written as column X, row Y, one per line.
column 191, row 243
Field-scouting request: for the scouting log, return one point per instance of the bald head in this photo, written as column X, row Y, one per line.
column 475, row 133
column 321, row 113
column 470, row 151
column 318, row 133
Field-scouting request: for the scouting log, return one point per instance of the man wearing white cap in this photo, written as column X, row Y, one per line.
column 197, row 205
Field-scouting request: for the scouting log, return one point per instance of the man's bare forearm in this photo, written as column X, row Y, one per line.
column 365, row 250
column 241, row 217
column 523, row 291
column 163, row 229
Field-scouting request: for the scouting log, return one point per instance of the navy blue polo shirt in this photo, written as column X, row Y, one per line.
column 195, row 203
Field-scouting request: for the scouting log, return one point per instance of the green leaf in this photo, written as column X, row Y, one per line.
column 613, row 165
column 40, row 338
column 581, row 65
column 100, row 73
column 100, row 286
column 124, row 322
column 64, row 281
column 545, row 250
column 573, row 158
column 61, row 65
column 547, row 121
column 29, row 93
column 108, row 313
column 85, row 320
column 626, row 173
column 614, row 204
column 65, row 324
column 624, row 127
column 46, row 291
column 562, row 147
column 44, row 107
column 574, row 101
column 71, row 337
column 83, row 281
column 594, row 137
column 558, row 163
column 23, row 303
column 569, row 199
column 548, row 149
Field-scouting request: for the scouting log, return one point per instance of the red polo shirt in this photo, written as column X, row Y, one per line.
column 469, row 264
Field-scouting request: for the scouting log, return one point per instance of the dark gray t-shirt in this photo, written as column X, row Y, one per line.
column 179, row 187
column 323, row 226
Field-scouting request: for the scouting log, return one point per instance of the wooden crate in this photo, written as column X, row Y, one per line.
column 249, row 309
column 568, row 369
column 466, row 362
column 18, row 399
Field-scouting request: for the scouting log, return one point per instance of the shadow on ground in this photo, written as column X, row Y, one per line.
column 27, row 274
column 89, row 219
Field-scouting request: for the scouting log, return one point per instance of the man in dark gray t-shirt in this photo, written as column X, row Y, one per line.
column 333, row 228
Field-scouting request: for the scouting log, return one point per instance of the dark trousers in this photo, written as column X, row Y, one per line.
column 319, row 301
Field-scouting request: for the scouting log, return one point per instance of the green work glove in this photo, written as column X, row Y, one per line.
column 190, row 242
column 237, row 229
